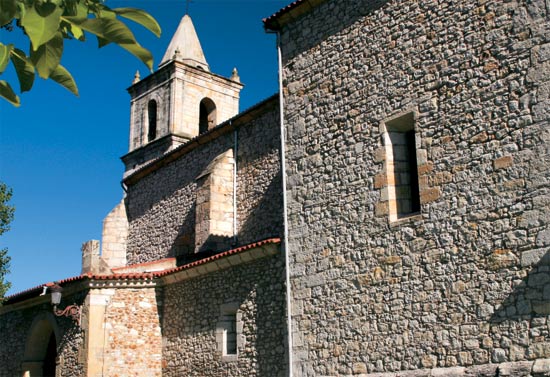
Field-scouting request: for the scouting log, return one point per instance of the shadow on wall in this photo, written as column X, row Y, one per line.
column 184, row 243
column 159, row 298
column 216, row 243
column 265, row 220
column 71, row 340
column 529, row 299
column 331, row 25
column 270, row 320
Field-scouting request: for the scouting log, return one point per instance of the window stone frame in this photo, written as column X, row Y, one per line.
column 229, row 309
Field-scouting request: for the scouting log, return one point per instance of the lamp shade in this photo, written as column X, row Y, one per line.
column 56, row 292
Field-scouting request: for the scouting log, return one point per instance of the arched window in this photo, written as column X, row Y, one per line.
column 207, row 117
column 152, row 117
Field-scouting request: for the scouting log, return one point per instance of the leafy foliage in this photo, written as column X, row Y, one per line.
column 6, row 216
column 48, row 23
column 4, row 270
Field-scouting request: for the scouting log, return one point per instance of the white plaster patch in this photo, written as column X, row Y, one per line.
column 145, row 305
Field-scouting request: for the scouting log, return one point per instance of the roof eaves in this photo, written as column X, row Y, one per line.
column 38, row 290
column 292, row 11
column 219, row 256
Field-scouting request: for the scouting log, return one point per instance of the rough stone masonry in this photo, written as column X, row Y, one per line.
column 462, row 287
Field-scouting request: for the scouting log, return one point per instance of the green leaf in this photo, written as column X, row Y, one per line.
column 24, row 69
column 71, row 31
column 77, row 32
column 61, row 76
column 100, row 10
column 8, row 9
column 107, row 28
column 113, row 31
column 8, row 94
column 20, row 12
column 48, row 56
column 5, row 52
column 141, row 17
column 139, row 52
column 75, row 8
column 102, row 42
column 103, row 11
column 41, row 22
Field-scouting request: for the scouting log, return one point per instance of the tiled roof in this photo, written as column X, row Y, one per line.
column 272, row 22
column 35, row 291
column 282, row 11
column 219, row 256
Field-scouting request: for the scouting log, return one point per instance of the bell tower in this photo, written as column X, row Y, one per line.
column 179, row 101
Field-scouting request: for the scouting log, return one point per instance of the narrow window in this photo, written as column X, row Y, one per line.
column 230, row 334
column 207, row 115
column 401, row 167
column 152, row 118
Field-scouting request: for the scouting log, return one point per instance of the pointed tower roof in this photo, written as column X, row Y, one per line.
column 185, row 46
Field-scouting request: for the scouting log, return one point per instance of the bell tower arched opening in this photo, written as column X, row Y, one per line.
column 207, row 116
column 152, row 118
column 188, row 100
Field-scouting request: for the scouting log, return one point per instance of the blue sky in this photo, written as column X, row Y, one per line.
column 61, row 154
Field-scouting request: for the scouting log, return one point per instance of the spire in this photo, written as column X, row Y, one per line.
column 185, row 46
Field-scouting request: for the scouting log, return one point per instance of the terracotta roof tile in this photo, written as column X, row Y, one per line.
column 283, row 10
column 270, row 23
column 35, row 291
column 219, row 256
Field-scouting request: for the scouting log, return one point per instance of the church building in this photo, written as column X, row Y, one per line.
column 386, row 214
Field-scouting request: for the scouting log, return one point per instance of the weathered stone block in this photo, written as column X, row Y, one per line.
column 503, row 162
column 429, row 195
column 542, row 367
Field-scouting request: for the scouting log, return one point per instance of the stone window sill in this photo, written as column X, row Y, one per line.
column 230, row 358
column 410, row 218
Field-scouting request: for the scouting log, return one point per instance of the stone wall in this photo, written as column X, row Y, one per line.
column 259, row 186
column 157, row 88
column 465, row 282
column 214, row 210
column 24, row 335
column 194, row 310
column 114, row 237
column 161, row 206
column 132, row 340
column 177, row 90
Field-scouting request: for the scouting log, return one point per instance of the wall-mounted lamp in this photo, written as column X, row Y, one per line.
column 71, row 311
